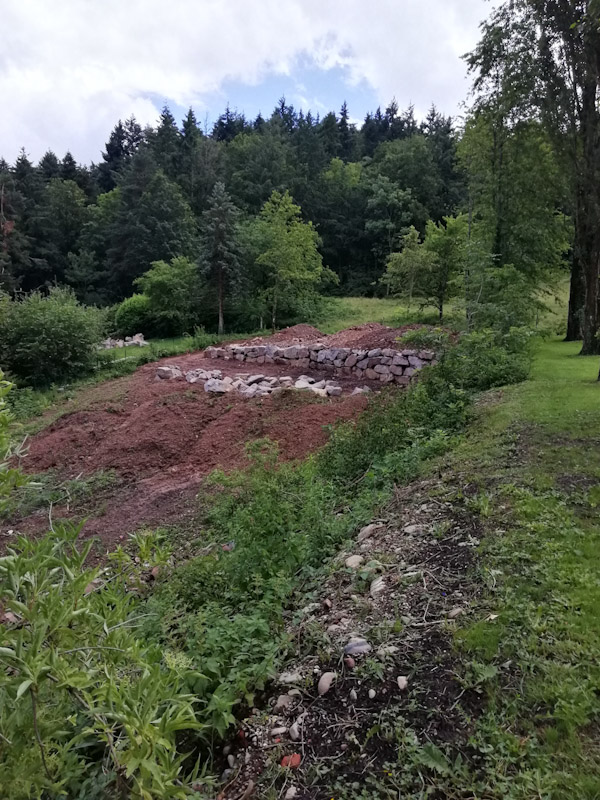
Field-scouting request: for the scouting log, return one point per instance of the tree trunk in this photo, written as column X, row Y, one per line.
column 587, row 232
column 274, row 313
column 576, row 302
column 591, row 342
column 221, row 327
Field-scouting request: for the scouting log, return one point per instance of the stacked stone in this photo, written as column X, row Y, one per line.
column 252, row 385
column 386, row 365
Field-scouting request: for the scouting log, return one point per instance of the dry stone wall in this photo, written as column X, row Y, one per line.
column 380, row 364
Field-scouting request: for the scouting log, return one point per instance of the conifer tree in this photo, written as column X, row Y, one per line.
column 220, row 260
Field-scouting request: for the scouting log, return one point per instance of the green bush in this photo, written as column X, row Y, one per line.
column 396, row 433
column 83, row 700
column 134, row 315
column 427, row 339
column 48, row 338
column 173, row 293
column 486, row 359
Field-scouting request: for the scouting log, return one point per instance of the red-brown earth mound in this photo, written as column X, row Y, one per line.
column 161, row 438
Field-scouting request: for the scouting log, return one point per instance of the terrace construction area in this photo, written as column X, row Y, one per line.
column 145, row 443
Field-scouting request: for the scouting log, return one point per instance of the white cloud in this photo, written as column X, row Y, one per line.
column 69, row 70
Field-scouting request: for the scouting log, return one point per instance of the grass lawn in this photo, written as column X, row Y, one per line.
column 530, row 469
column 345, row 312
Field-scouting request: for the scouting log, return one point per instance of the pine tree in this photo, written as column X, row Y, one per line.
column 123, row 143
column 229, row 125
column 330, row 135
column 68, row 168
column 154, row 223
column 49, row 166
column 221, row 256
column 166, row 144
column 190, row 166
column 346, row 135
column 15, row 261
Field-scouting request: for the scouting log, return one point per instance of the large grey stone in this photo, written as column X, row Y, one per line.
column 295, row 352
column 168, row 373
column 400, row 361
column 216, row 386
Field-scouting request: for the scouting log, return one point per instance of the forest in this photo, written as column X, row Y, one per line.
column 249, row 224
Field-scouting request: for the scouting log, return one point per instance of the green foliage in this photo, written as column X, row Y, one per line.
column 500, row 298
column 400, row 430
column 397, row 432
column 220, row 259
column 10, row 478
column 134, row 315
column 47, row 490
column 390, row 211
column 291, row 268
column 485, row 359
column 48, row 338
column 407, row 272
column 79, row 688
column 430, row 272
column 173, row 291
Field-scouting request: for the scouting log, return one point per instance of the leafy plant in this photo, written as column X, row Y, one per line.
column 10, row 478
column 48, row 338
column 81, row 694
column 135, row 315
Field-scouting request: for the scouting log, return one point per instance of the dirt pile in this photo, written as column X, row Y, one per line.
column 294, row 335
column 368, row 336
column 161, row 438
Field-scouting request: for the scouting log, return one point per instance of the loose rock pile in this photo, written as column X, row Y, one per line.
column 380, row 364
column 129, row 341
column 253, row 385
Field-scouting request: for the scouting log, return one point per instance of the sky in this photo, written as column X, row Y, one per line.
column 70, row 69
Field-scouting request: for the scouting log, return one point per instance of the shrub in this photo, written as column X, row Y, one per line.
column 397, row 432
column 486, row 359
column 48, row 338
column 87, row 709
column 10, row 478
column 172, row 290
column 134, row 315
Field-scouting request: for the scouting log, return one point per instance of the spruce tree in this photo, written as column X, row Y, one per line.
column 154, row 223
column 220, row 260
column 49, row 166
column 166, row 144
column 346, row 137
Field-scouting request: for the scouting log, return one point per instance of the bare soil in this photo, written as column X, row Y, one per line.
column 366, row 336
column 161, row 438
